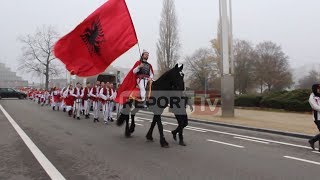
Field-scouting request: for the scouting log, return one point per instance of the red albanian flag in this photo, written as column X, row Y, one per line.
column 101, row 38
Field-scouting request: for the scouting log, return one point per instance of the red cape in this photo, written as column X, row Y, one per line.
column 128, row 85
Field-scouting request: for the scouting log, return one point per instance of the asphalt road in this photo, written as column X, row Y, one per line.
column 81, row 149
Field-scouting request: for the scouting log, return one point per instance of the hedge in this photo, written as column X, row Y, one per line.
column 248, row 101
column 296, row 100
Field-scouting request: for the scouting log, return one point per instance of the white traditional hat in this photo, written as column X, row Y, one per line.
column 144, row 51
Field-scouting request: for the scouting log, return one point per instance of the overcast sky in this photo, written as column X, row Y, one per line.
column 293, row 24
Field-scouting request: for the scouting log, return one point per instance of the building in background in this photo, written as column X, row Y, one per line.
column 10, row 79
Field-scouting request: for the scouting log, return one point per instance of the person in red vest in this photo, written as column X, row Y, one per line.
column 113, row 95
column 104, row 95
column 63, row 106
column 55, row 95
column 68, row 99
column 85, row 99
column 140, row 74
column 94, row 96
column 77, row 101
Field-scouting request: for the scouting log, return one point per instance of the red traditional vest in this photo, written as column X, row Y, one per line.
column 76, row 91
column 105, row 92
column 85, row 93
column 94, row 92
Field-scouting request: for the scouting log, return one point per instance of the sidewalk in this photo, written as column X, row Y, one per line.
column 279, row 121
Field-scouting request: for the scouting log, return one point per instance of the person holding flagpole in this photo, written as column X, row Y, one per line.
column 140, row 74
column 144, row 73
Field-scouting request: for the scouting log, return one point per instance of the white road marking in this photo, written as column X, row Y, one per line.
column 167, row 131
column 193, row 129
column 316, row 152
column 42, row 159
column 147, row 112
column 139, row 120
column 139, row 124
column 252, row 140
column 243, row 136
column 228, row 144
column 145, row 118
column 303, row 160
column 172, row 123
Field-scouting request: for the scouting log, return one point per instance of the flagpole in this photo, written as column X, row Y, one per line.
column 139, row 49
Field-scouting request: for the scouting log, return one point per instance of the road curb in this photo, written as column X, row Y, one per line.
column 291, row 134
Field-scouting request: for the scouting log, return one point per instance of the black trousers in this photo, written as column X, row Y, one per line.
column 316, row 137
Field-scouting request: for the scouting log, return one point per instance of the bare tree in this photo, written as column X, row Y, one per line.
column 37, row 53
column 201, row 68
column 312, row 78
column 168, row 44
column 244, row 56
column 272, row 67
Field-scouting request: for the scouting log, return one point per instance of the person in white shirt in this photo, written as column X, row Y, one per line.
column 112, row 94
column 105, row 99
column 94, row 96
column 68, row 99
column 314, row 101
column 77, row 101
column 85, row 96
column 144, row 74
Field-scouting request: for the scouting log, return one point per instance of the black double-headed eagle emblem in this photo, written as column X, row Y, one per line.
column 93, row 37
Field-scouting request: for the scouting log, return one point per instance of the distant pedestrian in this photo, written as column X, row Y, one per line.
column 314, row 101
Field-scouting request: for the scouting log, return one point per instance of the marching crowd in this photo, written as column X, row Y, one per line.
column 79, row 100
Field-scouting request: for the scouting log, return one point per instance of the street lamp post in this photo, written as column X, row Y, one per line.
column 227, row 79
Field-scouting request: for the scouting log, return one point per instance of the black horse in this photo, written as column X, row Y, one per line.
column 167, row 90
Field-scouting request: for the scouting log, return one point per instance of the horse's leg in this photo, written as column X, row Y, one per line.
column 124, row 114
column 184, row 123
column 163, row 141
column 133, row 125
column 149, row 134
column 127, row 130
column 178, row 129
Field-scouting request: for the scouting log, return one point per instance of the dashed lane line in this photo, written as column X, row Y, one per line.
column 246, row 139
column 302, row 160
column 224, row 143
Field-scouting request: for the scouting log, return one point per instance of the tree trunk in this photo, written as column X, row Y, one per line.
column 47, row 77
column 269, row 87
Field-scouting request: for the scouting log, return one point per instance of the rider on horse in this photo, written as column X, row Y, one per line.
column 140, row 74
column 144, row 74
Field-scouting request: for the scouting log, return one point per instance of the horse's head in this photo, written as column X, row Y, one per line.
column 177, row 78
column 172, row 80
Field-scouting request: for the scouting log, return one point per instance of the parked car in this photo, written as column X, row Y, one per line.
column 11, row 93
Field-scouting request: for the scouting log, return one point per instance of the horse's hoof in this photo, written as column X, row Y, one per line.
column 132, row 129
column 181, row 143
column 149, row 138
column 174, row 135
column 165, row 145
